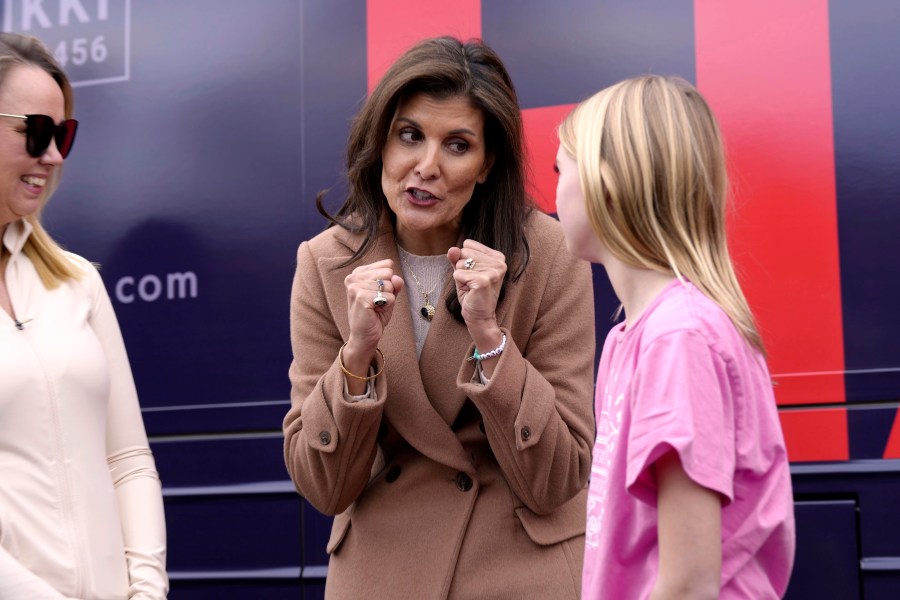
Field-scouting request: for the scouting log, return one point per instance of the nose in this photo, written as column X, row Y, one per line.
column 51, row 155
column 428, row 165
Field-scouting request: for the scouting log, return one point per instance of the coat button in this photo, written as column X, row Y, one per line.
column 325, row 438
column 526, row 433
column 463, row 482
column 392, row 474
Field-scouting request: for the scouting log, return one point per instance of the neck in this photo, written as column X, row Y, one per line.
column 635, row 287
column 427, row 243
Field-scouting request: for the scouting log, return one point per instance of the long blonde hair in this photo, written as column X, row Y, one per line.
column 652, row 168
column 48, row 258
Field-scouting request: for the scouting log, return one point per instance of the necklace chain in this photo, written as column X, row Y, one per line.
column 427, row 310
column 418, row 284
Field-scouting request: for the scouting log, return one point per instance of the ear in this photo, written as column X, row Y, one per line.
column 486, row 170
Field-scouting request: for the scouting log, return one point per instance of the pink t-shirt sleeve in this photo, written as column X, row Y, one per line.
column 682, row 399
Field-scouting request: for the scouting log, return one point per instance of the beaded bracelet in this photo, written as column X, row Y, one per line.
column 495, row 352
column 349, row 374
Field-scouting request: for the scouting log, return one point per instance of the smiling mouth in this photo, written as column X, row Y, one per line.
column 35, row 181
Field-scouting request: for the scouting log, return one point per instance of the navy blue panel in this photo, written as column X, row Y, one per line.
column 876, row 486
column 881, row 585
column 215, row 533
column 562, row 52
column 865, row 59
column 316, row 531
column 179, row 420
column 606, row 304
column 869, row 429
column 209, row 461
column 191, row 167
column 313, row 591
column 873, row 385
column 334, row 86
column 826, row 564
column 239, row 590
column 192, row 183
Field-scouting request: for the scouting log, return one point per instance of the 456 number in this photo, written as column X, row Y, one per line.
column 81, row 50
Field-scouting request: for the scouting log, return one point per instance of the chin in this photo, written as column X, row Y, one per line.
column 27, row 211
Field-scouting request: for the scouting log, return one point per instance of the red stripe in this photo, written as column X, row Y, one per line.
column 541, row 142
column 387, row 24
column 816, row 434
column 892, row 448
column 764, row 67
column 392, row 26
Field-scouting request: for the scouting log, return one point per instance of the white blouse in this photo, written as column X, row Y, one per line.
column 81, row 512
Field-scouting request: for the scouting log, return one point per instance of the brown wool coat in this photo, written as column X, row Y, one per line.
column 444, row 488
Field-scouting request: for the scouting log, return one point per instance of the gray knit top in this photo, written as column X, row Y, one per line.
column 423, row 274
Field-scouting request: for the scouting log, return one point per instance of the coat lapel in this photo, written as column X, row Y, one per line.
column 446, row 346
column 424, row 426
column 444, row 349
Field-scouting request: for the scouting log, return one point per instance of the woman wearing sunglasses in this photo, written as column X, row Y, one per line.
column 81, row 511
column 443, row 343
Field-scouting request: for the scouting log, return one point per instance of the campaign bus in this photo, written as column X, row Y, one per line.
column 208, row 127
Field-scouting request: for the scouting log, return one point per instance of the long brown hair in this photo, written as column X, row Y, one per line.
column 651, row 162
column 444, row 68
column 48, row 258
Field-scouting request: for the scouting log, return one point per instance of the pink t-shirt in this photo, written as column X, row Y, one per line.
column 683, row 378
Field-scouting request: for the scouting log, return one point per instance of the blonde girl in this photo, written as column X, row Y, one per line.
column 690, row 492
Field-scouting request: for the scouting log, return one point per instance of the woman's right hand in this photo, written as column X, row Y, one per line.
column 367, row 321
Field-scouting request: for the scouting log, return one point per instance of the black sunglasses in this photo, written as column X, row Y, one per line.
column 40, row 129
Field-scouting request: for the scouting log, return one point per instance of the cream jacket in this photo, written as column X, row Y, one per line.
column 81, row 512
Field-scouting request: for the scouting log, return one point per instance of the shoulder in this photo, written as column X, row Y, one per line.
column 547, row 245
column 542, row 229
column 334, row 246
column 332, row 240
column 88, row 274
column 686, row 312
column 552, row 276
column 325, row 260
column 87, row 283
column 551, row 266
column 338, row 242
column 79, row 261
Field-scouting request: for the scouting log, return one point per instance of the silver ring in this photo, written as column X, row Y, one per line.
column 380, row 300
column 469, row 264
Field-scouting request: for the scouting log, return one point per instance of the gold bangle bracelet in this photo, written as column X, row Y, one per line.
column 349, row 374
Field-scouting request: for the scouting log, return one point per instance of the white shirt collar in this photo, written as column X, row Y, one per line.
column 16, row 235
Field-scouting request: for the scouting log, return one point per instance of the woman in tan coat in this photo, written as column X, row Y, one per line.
column 443, row 351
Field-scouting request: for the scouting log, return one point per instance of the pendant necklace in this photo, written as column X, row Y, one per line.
column 427, row 310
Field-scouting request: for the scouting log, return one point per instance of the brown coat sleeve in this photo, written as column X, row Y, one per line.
column 330, row 444
column 537, row 407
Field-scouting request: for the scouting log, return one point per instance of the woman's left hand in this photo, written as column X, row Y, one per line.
column 478, row 275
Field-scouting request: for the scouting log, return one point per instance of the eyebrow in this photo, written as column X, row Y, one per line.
column 452, row 132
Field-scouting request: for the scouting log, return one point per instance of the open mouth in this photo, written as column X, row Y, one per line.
column 35, row 181
column 421, row 195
